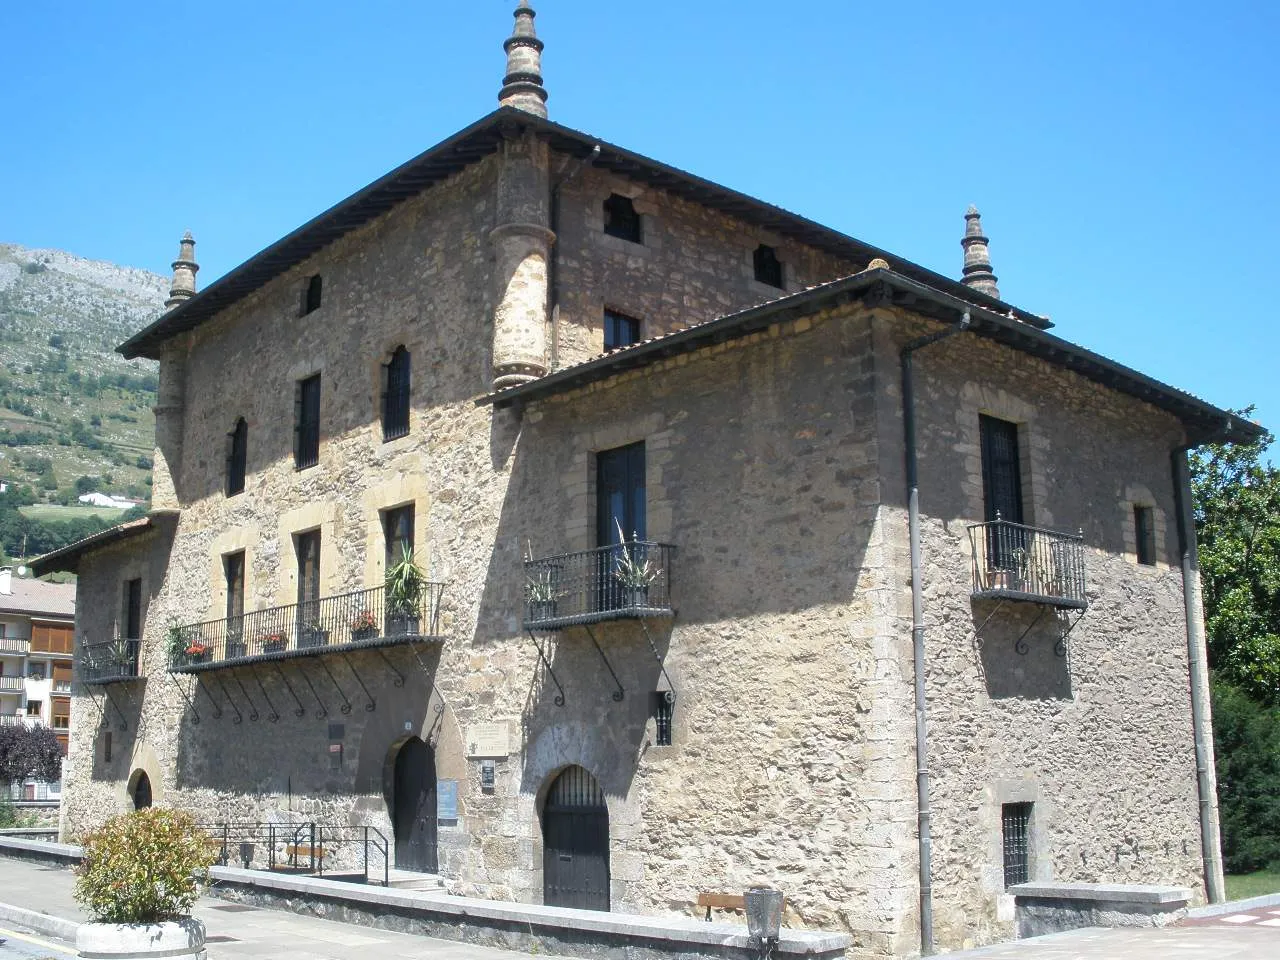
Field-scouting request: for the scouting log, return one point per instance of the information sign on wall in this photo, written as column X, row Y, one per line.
column 488, row 740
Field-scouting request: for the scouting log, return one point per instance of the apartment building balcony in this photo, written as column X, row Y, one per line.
column 350, row 621
column 14, row 646
column 624, row 581
column 12, row 720
column 1013, row 561
column 110, row 661
column 12, row 685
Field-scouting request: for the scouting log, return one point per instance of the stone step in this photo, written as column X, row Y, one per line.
column 409, row 880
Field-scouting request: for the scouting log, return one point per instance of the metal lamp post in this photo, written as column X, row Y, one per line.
column 764, row 917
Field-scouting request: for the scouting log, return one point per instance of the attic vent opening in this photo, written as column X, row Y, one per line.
column 311, row 298
column 768, row 268
column 621, row 219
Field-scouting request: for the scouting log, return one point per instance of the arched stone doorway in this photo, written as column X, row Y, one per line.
column 575, row 843
column 414, row 807
column 141, row 791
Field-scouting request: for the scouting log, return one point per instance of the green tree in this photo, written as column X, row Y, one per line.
column 29, row 753
column 1238, row 524
column 1246, row 740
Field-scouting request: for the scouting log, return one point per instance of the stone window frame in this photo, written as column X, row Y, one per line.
column 642, row 325
column 1039, row 860
column 1137, row 495
column 787, row 257
column 233, row 540
column 647, row 209
column 134, row 569
column 322, row 516
column 405, row 489
column 978, row 400
column 579, row 477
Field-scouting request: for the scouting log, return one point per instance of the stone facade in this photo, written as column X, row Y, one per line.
column 773, row 463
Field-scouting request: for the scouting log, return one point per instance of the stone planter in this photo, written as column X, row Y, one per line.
column 175, row 940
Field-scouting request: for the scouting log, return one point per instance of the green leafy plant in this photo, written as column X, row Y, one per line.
column 143, row 867
column 404, row 585
column 541, row 587
column 364, row 620
column 632, row 566
column 177, row 643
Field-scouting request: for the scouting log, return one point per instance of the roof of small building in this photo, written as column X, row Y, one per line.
column 1204, row 422
column 479, row 141
column 34, row 598
column 68, row 557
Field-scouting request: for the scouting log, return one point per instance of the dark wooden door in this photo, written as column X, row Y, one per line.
column 575, row 843
column 620, row 515
column 142, row 792
column 415, row 807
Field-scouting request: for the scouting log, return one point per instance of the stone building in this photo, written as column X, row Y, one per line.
column 668, row 457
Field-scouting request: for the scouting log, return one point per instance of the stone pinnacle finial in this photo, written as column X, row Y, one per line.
column 522, row 86
column 183, row 287
column 977, row 261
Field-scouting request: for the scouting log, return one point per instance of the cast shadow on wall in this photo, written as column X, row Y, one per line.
column 1022, row 650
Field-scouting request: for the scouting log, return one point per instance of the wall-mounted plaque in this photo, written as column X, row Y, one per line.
column 488, row 740
column 447, row 802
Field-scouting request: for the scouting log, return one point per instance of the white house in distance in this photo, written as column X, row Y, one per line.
column 108, row 500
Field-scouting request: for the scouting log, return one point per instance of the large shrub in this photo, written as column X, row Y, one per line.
column 1246, row 737
column 143, row 867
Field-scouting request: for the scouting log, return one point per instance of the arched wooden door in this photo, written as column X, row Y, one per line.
column 415, row 807
column 142, row 792
column 575, row 843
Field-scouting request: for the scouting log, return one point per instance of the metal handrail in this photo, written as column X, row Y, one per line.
column 622, row 580
column 311, row 835
column 1018, row 561
column 107, row 661
column 361, row 618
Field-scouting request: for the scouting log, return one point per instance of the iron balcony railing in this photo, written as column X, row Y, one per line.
column 329, row 624
column 304, row 848
column 1016, row 562
column 15, row 645
column 110, row 661
column 12, row 685
column 609, row 583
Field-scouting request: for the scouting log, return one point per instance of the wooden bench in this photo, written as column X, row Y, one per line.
column 724, row 901
column 295, row 850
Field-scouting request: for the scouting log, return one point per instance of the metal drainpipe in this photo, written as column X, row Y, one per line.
column 553, row 289
column 917, row 628
column 1210, row 835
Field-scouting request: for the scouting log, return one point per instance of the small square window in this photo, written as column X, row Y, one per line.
column 34, row 707
column 620, row 330
column 768, row 268
column 621, row 219
column 1015, row 826
column 1144, row 528
column 664, row 705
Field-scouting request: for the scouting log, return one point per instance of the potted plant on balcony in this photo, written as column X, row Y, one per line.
column 273, row 642
column 123, row 658
column 139, row 876
column 364, row 625
column 634, row 570
column 541, row 593
column 311, row 634
column 197, row 651
column 404, row 585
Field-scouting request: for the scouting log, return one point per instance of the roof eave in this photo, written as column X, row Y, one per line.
column 67, row 559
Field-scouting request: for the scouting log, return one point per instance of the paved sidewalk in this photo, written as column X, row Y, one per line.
column 238, row 932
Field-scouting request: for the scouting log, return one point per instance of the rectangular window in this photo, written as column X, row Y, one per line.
column 397, row 532
column 237, row 456
column 1015, row 826
column 311, row 296
column 132, row 612
column 106, row 746
column 36, row 670
column 621, row 219
column 620, row 494
column 620, row 330
column 306, row 430
column 233, row 569
column 307, row 546
column 664, row 702
column 1002, row 492
column 34, row 707
column 395, row 395
column 1144, row 528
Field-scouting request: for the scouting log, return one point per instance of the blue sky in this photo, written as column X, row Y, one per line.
column 1123, row 155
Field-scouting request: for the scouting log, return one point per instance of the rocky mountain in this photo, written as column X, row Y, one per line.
column 71, row 409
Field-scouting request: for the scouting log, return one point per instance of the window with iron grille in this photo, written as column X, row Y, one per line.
column 664, row 703
column 1144, row 528
column 1015, row 822
column 237, row 456
column 768, row 267
column 620, row 330
column 311, row 296
column 621, row 219
column 306, row 429
column 395, row 395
